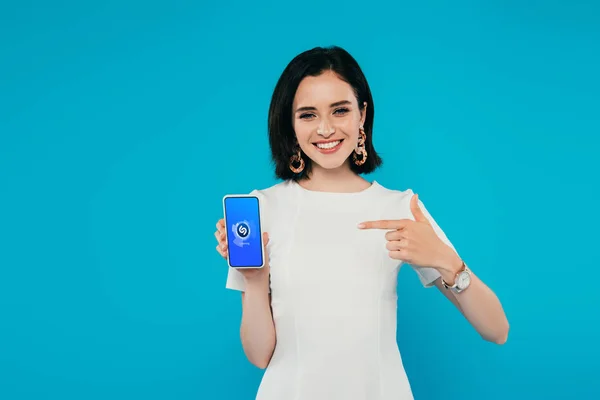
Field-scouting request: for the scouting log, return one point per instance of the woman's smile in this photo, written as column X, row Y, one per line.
column 328, row 146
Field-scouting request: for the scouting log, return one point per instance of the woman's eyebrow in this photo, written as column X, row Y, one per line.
column 336, row 104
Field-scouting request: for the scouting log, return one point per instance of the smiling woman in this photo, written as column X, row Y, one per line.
column 322, row 97
column 321, row 314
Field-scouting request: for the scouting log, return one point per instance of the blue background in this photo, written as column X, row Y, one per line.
column 122, row 125
column 244, row 209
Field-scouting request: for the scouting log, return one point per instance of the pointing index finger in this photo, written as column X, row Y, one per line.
column 384, row 224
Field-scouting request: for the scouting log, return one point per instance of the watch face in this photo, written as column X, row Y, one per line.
column 463, row 281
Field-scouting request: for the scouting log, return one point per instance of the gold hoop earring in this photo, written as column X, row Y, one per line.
column 360, row 154
column 296, row 162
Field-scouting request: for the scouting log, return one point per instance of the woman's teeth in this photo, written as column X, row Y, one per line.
column 329, row 145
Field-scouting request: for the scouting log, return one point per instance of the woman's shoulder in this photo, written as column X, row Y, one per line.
column 271, row 192
column 387, row 193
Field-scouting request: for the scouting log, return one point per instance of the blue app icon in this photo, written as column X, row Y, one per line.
column 241, row 231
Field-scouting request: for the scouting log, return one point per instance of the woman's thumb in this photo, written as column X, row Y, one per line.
column 265, row 242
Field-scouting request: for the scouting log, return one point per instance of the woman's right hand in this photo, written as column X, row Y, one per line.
column 248, row 273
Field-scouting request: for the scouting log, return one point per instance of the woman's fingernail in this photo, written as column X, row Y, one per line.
column 361, row 225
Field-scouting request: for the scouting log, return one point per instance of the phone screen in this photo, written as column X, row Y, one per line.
column 244, row 239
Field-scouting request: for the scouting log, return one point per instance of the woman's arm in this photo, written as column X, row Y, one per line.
column 419, row 243
column 478, row 303
column 257, row 329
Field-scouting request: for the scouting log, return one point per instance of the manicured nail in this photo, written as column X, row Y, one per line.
column 361, row 225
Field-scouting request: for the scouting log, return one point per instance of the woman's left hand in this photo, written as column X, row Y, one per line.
column 415, row 242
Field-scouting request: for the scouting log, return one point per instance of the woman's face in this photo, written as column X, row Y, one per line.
column 326, row 119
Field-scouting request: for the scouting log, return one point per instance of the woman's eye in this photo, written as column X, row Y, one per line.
column 341, row 111
column 306, row 116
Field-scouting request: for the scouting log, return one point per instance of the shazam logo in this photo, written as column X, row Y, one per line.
column 241, row 231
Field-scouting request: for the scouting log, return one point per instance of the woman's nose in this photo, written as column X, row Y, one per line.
column 325, row 128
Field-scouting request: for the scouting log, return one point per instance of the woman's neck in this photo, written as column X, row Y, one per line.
column 340, row 180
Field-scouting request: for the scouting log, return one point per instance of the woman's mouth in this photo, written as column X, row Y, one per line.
column 328, row 147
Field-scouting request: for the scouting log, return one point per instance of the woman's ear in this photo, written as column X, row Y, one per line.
column 363, row 114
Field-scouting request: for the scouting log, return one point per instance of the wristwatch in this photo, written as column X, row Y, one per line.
column 461, row 281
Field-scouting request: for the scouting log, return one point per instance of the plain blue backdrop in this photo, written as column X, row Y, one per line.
column 123, row 123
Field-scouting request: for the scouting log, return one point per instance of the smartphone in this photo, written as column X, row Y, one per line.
column 244, row 231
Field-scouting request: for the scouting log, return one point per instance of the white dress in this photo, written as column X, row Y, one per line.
column 333, row 290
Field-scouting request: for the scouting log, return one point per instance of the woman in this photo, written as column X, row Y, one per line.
column 321, row 315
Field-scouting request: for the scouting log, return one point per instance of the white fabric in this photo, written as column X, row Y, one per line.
column 333, row 290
